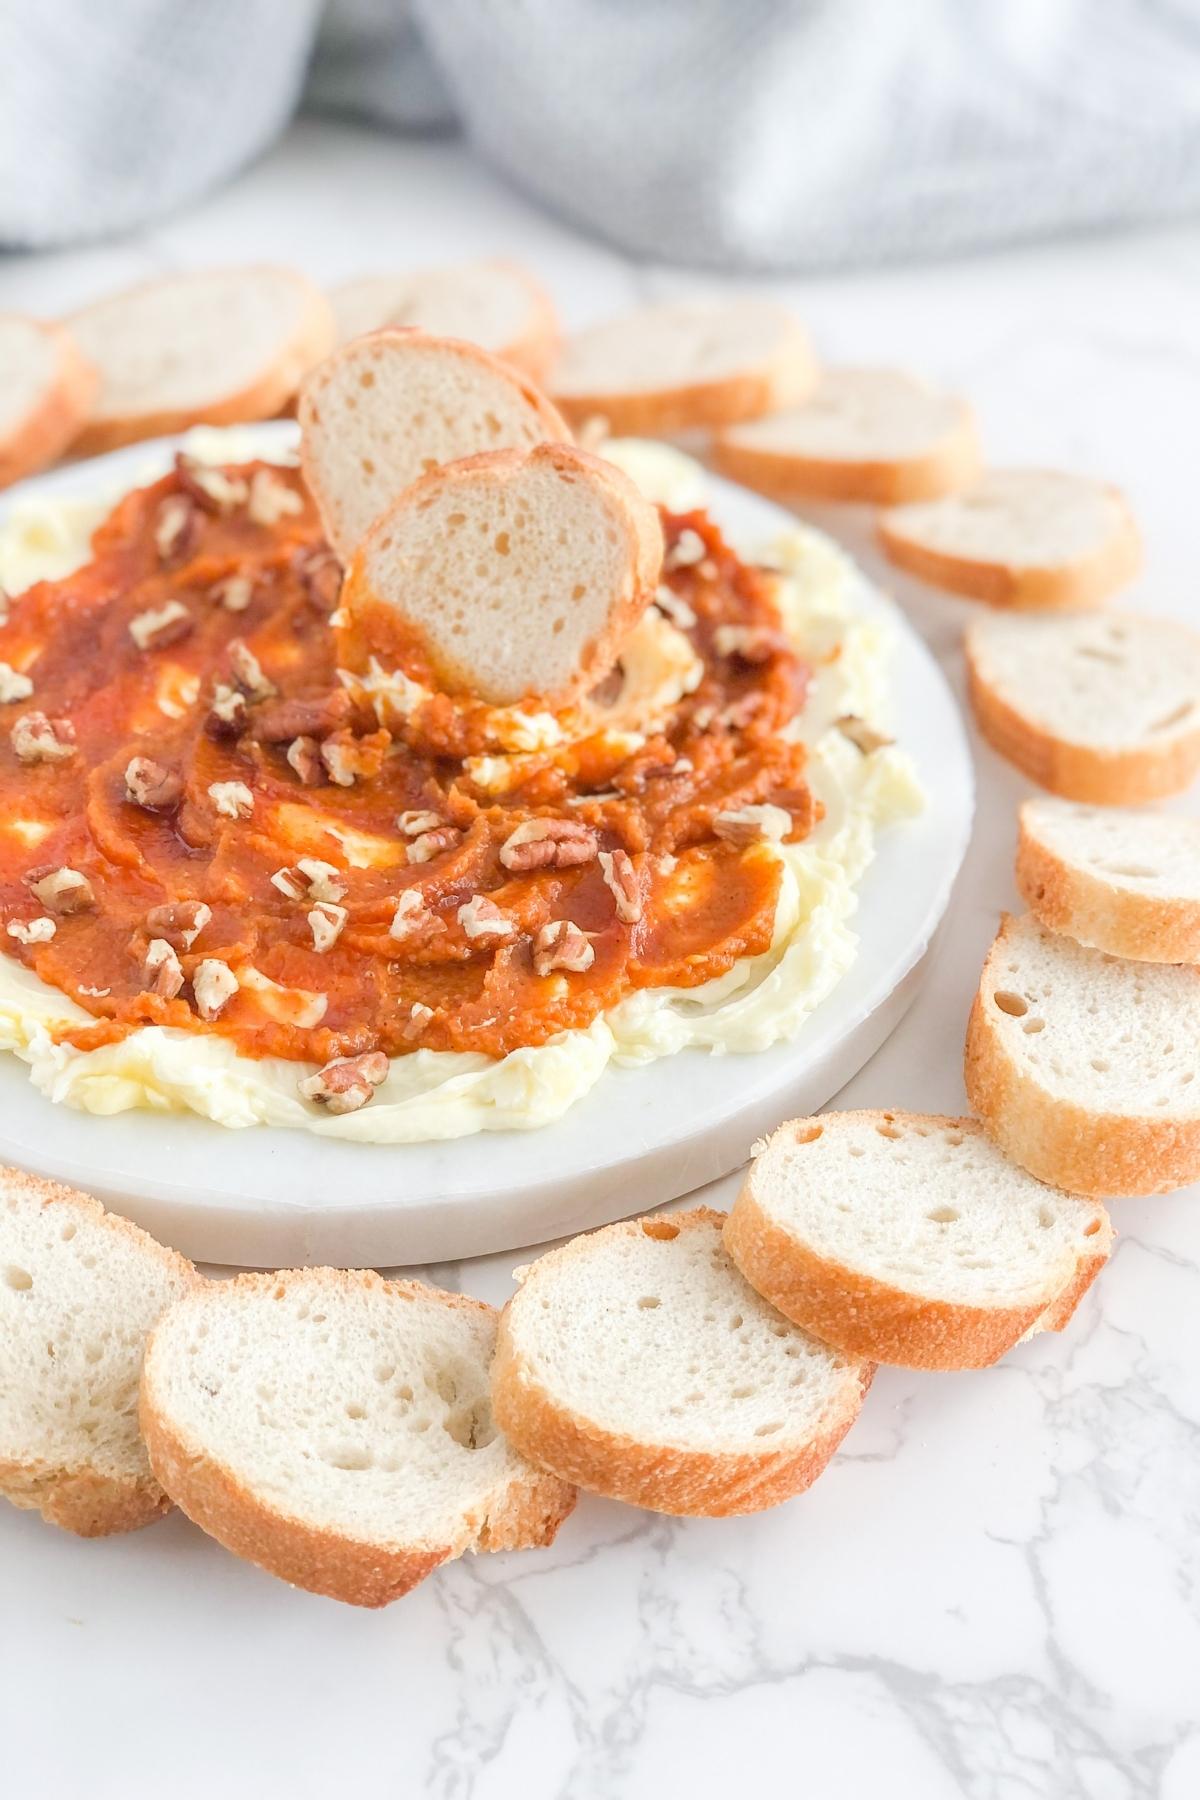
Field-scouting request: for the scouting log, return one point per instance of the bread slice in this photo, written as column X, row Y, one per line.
column 335, row 1428
column 1085, row 1068
column 684, row 364
column 637, row 1362
column 1032, row 540
column 1104, row 709
column 909, row 1239
column 498, row 305
column 517, row 573
column 79, row 1292
column 390, row 407
column 870, row 436
column 46, row 388
column 1125, row 882
column 217, row 347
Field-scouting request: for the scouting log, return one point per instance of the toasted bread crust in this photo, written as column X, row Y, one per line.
column 1069, row 587
column 1066, row 1143
column 787, row 376
column 323, row 1561
column 642, row 520
column 1071, row 900
column 862, row 1316
column 1079, row 771
column 52, row 424
column 80, row 1497
column 784, row 475
column 267, row 397
column 679, row 1481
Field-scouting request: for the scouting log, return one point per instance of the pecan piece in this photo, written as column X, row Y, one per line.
column 180, row 922
column 429, row 844
column 415, row 822
column 347, row 1082
column 162, row 970
column 150, row 786
column 320, row 573
column 620, row 877
column 35, row 738
column 280, row 720
column 864, row 737
column 209, row 488
column 160, row 626
column 175, row 525
column 748, row 643
column 235, row 593
column 753, row 825
column 687, row 550
column 232, row 799
column 13, row 685
column 412, row 914
column 61, row 890
column 35, row 931
column 214, row 984
column 482, row 918
column 561, row 945
column 228, row 714
column 548, row 844
column 326, row 922
column 271, row 499
column 248, row 671
column 324, row 881
column 673, row 608
column 304, row 757
column 347, row 758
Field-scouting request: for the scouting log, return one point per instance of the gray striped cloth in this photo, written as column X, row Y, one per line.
column 758, row 134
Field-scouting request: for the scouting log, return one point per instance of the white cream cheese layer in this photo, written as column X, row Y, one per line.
column 441, row 1094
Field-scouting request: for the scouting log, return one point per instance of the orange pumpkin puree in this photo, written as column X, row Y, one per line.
column 260, row 574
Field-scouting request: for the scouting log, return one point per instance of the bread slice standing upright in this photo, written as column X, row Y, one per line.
column 46, row 388
column 215, row 347
column 1124, row 882
column 909, row 1239
column 870, row 436
column 514, row 575
column 1033, row 540
column 498, row 305
column 1103, row 708
column 1085, row 1068
column 335, row 1428
column 683, row 364
column 637, row 1362
column 389, row 407
column 80, row 1290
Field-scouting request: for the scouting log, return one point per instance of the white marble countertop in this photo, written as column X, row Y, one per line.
column 993, row 1592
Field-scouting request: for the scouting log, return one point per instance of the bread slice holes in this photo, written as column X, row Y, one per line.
column 662, row 1229
column 736, row 1323
column 384, row 1372
column 889, row 1131
column 67, row 1233
column 648, row 1302
column 1092, row 1229
column 808, row 1134
column 1045, row 1218
column 1015, row 1005
column 472, row 1426
column 1032, row 1026
column 17, row 1278
column 1175, row 718
column 93, row 1353
column 354, row 1410
column 943, row 1215
column 1131, row 871
column 857, row 1150
column 1098, row 655
column 742, row 1393
column 352, row 1457
column 1101, row 1065
column 367, row 378
column 769, row 1429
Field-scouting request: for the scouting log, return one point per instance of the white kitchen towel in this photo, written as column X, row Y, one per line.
column 769, row 134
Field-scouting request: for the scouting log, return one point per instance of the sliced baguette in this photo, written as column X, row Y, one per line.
column 1124, row 882
column 909, row 1239
column 498, row 305
column 516, row 574
column 392, row 406
column 335, row 1429
column 79, row 1293
column 638, row 1363
column 1027, row 539
column 1084, row 1067
column 869, row 436
column 1104, row 708
column 46, row 389
column 684, row 364
column 214, row 348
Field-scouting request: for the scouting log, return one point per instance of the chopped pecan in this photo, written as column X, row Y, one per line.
column 482, row 918
column 280, row 720
column 321, row 574
column 753, row 825
column 228, row 714
column 687, row 550
column 419, row 1016
column 211, row 489
column 232, row 799
column 175, row 526
column 672, row 607
column 180, row 922
column 548, row 844
column 248, row 672
column 749, row 643
column 271, row 499
column 235, row 593
column 324, row 881
column 150, row 786
column 162, row 970
column 61, row 890
column 864, row 737
column 326, row 922
column 348, row 758
column 33, row 931
column 562, row 945
column 291, row 883
column 412, row 914
column 429, row 844
column 160, row 626
column 214, row 984
column 13, row 685
column 414, row 822
column 35, row 738
column 620, row 877
column 347, row 1082
column 304, row 757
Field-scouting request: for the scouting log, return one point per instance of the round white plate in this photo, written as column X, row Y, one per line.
column 641, row 1136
